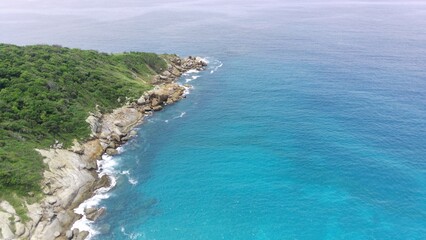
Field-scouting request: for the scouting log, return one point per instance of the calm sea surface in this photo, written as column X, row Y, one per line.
column 314, row 126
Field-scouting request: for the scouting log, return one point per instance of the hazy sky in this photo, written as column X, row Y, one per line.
column 89, row 24
column 107, row 9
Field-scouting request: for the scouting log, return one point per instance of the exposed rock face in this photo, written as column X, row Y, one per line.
column 103, row 181
column 69, row 234
column 111, row 151
column 67, row 182
column 178, row 66
column 10, row 224
column 94, row 213
column 94, row 123
column 71, row 177
column 82, row 235
column 141, row 100
column 77, row 147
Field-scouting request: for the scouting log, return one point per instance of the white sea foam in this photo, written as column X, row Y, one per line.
column 215, row 68
column 181, row 115
column 131, row 235
column 87, row 225
column 107, row 167
column 187, row 89
column 192, row 78
column 131, row 180
column 205, row 60
column 191, row 71
column 176, row 117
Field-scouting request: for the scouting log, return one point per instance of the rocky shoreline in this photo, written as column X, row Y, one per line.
column 71, row 176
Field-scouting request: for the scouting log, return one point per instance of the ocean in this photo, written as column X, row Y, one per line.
column 309, row 122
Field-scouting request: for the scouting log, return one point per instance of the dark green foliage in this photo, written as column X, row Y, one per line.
column 46, row 93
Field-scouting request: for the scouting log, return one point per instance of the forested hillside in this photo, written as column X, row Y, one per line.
column 46, row 93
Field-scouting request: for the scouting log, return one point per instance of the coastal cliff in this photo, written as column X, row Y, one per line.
column 71, row 174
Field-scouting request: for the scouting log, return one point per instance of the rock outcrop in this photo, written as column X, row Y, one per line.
column 11, row 226
column 71, row 177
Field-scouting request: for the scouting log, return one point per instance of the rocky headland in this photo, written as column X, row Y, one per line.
column 71, row 175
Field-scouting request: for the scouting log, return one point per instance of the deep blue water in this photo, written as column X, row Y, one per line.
column 313, row 128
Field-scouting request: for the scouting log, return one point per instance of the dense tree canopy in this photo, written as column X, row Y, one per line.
column 46, row 93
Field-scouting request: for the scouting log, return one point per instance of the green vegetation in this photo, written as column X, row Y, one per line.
column 46, row 93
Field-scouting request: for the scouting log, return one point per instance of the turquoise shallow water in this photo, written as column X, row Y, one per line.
column 313, row 128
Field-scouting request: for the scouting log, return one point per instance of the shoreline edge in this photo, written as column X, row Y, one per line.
column 72, row 175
